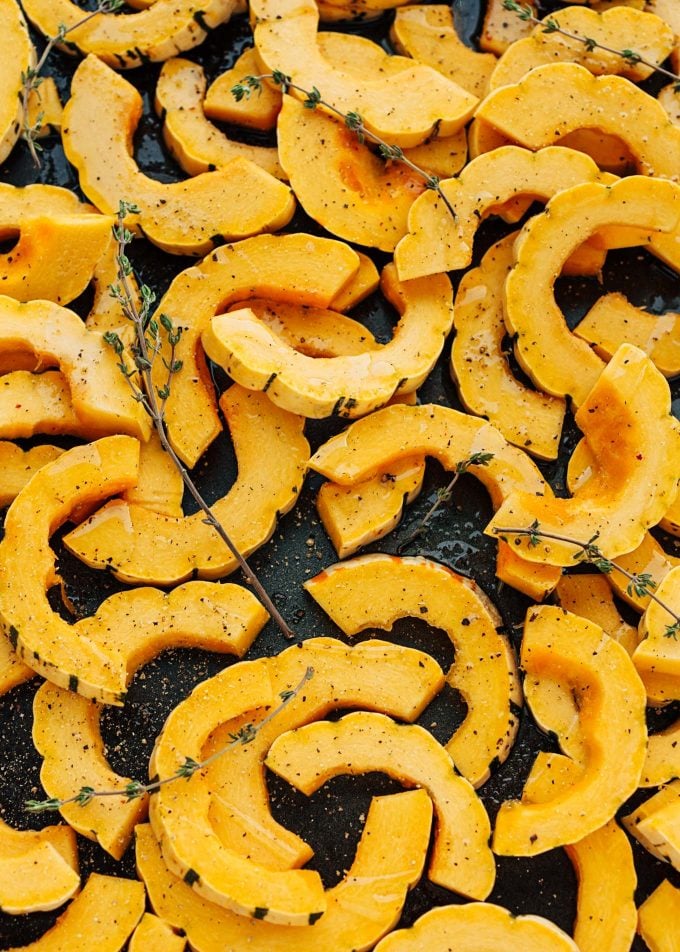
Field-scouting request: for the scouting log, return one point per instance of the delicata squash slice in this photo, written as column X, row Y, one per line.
column 612, row 712
column 657, row 657
column 365, row 741
column 117, row 536
column 484, row 670
column 554, row 100
column 106, row 912
column 181, row 217
column 656, row 824
column 100, row 395
column 478, row 927
column 17, row 58
column 298, row 268
column 38, row 868
column 659, row 917
column 219, row 824
column 438, row 242
column 155, row 935
column 363, row 906
column 635, row 441
column 196, row 144
column 348, row 386
column 221, row 618
column 527, row 418
column 256, row 112
column 402, row 106
column 619, row 28
column 166, row 28
column 17, row 466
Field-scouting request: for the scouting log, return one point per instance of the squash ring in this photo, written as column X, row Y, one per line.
column 38, row 868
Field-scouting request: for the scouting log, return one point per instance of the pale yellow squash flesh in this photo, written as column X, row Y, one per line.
column 635, row 479
column 17, row 466
column 298, row 268
column 364, row 905
column 613, row 320
column 606, row 916
column 659, row 918
column 117, row 536
column 159, row 485
column 656, row 824
column 478, row 927
column 402, row 108
column 484, row 670
column 155, row 935
column 437, row 242
column 527, row 418
column 349, row 386
column 371, row 675
column 166, row 28
column 619, row 28
column 38, row 868
column 591, row 597
column 181, row 217
column 428, row 35
column 612, row 711
column 123, row 900
column 552, row 101
column 657, row 657
column 17, row 57
column 361, row 742
column 500, row 30
column 196, row 144
column 663, row 757
column 100, row 395
column 257, row 111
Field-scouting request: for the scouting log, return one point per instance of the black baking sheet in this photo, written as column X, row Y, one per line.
column 329, row 820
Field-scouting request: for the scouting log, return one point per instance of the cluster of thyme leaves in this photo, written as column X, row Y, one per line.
column 134, row 789
column 639, row 583
column 443, row 496
column 352, row 120
column 551, row 25
column 31, row 78
column 147, row 346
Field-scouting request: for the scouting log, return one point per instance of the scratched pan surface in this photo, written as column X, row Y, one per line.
column 331, row 820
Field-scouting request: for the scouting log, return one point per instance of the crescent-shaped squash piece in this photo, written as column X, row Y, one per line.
column 352, row 192
column 298, row 268
column 383, row 498
column 428, row 34
column 612, row 713
column 635, row 441
column 657, row 657
column 619, row 28
column 100, row 394
column 17, row 466
column 38, row 868
column 39, row 403
column 401, row 107
column 554, row 100
column 438, row 242
column 180, row 217
column 656, row 824
column 371, row 675
column 613, row 321
column 606, row 916
column 117, row 536
column 364, row 905
column 362, row 742
column 155, row 935
column 649, row 558
column 123, row 900
column 659, row 918
column 663, row 757
column 346, row 386
column 527, row 418
column 256, row 112
column 484, row 670
column 223, row 618
column 196, row 144
column 166, row 28
column 18, row 57
column 478, row 927
column 590, row 596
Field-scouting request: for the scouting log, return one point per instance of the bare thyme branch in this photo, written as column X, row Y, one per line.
column 31, row 78
column 352, row 120
column 443, row 496
column 551, row 25
column 145, row 349
column 134, row 789
column 641, row 584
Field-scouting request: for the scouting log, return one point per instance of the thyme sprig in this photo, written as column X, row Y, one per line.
column 147, row 346
column 352, row 120
column 443, row 496
column 134, row 789
column 31, row 78
column 641, row 584
column 551, row 25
